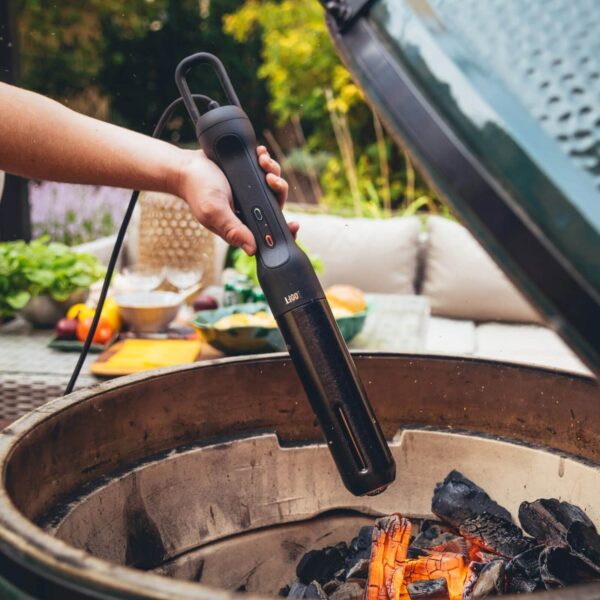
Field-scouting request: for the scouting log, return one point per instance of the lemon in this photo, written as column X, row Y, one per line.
column 259, row 319
column 347, row 297
column 235, row 320
column 263, row 319
column 339, row 312
column 80, row 311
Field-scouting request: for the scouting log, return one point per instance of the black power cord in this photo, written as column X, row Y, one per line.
column 158, row 130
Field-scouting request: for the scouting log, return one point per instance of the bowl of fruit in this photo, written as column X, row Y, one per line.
column 251, row 328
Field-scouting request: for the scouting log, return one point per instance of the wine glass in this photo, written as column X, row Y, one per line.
column 184, row 278
column 143, row 278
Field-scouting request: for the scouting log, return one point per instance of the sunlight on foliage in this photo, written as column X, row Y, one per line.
column 359, row 167
column 114, row 59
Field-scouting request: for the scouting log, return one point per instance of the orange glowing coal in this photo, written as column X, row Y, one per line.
column 391, row 571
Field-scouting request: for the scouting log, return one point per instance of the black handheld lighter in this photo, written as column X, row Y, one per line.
column 290, row 284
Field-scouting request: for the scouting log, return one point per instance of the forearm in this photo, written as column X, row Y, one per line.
column 42, row 139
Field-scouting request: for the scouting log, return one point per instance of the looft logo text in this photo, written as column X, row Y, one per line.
column 292, row 297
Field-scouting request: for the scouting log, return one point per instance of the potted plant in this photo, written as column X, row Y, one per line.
column 40, row 280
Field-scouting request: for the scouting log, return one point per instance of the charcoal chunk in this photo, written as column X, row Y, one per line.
column 315, row 591
column 469, row 508
column 487, row 579
column 350, row 590
column 584, row 542
column 414, row 552
column 343, row 549
column 559, row 568
column 432, row 534
column 311, row 591
column 331, row 586
column 548, row 520
column 523, row 572
column 320, row 565
column 496, row 534
column 431, row 589
column 360, row 546
column 456, row 545
column 457, row 499
column 297, row 590
column 358, row 570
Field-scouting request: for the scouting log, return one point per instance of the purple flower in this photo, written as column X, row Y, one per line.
column 75, row 213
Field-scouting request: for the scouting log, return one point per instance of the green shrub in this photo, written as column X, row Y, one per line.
column 356, row 163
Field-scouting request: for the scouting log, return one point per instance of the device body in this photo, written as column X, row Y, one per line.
column 297, row 300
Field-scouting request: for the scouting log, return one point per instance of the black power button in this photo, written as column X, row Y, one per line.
column 257, row 214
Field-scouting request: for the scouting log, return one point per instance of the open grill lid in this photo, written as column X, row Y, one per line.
column 499, row 103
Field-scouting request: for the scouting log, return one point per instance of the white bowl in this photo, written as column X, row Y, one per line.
column 148, row 312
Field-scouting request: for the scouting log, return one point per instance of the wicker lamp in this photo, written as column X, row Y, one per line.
column 170, row 236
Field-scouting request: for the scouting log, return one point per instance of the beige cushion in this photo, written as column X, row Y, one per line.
column 376, row 255
column 527, row 344
column 463, row 282
column 452, row 337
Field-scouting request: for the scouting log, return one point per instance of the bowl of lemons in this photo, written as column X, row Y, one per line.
column 251, row 328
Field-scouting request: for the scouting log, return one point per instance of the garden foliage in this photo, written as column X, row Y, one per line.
column 114, row 59
column 363, row 170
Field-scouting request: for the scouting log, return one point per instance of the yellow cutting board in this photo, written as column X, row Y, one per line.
column 132, row 356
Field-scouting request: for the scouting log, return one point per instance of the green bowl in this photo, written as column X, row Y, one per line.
column 253, row 339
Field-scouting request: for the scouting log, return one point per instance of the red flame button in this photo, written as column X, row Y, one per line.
column 269, row 241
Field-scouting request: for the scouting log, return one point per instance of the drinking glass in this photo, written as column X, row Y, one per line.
column 143, row 278
column 184, row 279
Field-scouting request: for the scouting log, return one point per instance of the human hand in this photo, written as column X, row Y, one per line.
column 206, row 190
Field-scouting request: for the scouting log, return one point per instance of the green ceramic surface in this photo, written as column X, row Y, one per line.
column 252, row 339
column 77, row 346
column 511, row 88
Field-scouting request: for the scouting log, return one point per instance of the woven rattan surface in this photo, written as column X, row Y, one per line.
column 170, row 236
column 30, row 372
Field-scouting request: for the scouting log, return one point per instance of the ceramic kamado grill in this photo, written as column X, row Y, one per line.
column 202, row 481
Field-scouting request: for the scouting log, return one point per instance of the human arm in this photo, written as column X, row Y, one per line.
column 42, row 139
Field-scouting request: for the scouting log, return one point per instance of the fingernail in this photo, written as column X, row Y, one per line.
column 247, row 248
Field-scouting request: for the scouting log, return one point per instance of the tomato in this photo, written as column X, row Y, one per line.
column 103, row 332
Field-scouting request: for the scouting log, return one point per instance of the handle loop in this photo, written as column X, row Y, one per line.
column 182, row 71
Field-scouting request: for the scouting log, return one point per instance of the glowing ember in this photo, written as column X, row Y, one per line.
column 391, row 571
column 388, row 557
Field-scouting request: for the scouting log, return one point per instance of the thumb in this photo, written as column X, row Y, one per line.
column 234, row 232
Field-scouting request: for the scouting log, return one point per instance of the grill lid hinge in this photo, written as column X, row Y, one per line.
column 345, row 12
